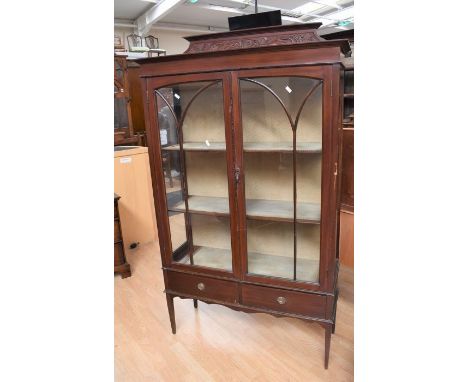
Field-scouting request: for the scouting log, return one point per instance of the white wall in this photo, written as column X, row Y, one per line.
column 172, row 41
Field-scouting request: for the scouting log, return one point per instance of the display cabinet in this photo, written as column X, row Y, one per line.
column 247, row 212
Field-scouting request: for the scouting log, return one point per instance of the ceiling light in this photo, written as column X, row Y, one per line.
column 193, row 1
column 343, row 14
column 308, row 7
column 330, row 3
column 222, row 9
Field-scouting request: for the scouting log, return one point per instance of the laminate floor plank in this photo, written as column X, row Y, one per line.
column 215, row 343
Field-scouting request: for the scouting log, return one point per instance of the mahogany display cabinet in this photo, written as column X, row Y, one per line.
column 248, row 210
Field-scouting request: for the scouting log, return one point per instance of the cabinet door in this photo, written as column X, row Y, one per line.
column 285, row 121
column 190, row 120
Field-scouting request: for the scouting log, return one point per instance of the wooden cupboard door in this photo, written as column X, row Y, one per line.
column 284, row 130
column 192, row 131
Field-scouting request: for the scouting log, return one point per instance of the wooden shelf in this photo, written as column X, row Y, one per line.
column 282, row 147
column 302, row 147
column 258, row 263
column 257, row 209
column 198, row 146
column 210, row 257
column 282, row 266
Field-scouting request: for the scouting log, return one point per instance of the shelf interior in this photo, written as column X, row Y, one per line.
column 276, row 210
column 218, row 258
column 302, row 147
column 258, row 263
column 282, row 266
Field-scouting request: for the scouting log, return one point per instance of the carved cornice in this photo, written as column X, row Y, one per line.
column 255, row 38
column 252, row 41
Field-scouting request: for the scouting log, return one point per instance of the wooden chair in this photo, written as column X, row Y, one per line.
column 153, row 44
column 135, row 44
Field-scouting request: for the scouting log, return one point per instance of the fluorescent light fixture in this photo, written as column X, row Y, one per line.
column 343, row 14
column 307, row 7
column 330, row 3
column 292, row 19
column 221, row 8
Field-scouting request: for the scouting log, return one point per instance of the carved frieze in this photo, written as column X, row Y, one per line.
column 246, row 42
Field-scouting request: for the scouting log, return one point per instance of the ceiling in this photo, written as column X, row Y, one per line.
column 213, row 14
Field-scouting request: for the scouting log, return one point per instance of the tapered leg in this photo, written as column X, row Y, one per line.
column 195, row 303
column 170, row 308
column 333, row 328
column 328, row 333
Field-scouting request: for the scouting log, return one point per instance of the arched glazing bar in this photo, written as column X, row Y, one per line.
column 180, row 136
column 294, row 124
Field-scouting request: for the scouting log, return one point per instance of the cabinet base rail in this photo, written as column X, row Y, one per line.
column 328, row 325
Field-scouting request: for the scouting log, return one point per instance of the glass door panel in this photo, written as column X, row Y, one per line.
column 282, row 144
column 192, row 133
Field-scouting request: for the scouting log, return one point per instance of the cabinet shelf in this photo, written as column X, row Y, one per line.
column 282, row 147
column 211, row 257
column 282, row 266
column 258, row 263
column 257, row 209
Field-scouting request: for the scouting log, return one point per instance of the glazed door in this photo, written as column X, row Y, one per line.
column 191, row 129
column 285, row 134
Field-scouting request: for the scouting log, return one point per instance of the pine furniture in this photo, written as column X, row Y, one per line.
column 252, row 122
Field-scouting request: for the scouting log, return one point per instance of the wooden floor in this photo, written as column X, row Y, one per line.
column 215, row 343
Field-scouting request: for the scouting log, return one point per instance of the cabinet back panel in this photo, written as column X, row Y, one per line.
column 207, row 174
column 270, row 176
column 277, row 238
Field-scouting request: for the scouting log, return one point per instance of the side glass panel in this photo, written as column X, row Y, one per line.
column 192, row 134
column 282, row 142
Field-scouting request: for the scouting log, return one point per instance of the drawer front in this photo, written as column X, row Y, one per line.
column 280, row 300
column 201, row 286
column 117, row 234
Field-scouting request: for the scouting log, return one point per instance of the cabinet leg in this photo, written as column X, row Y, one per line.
column 170, row 308
column 328, row 333
column 195, row 304
column 333, row 328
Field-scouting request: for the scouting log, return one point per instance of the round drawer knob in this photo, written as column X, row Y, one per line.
column 201, row 286
column 281, row 300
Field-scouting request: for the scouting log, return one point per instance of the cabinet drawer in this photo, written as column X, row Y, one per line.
column 305, row 304
column 201, row 286
column 117, row 234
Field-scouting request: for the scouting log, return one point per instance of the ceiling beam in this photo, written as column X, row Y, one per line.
column 145, row 22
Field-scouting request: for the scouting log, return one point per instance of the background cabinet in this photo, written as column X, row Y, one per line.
column 249, row 207
column 132, row 182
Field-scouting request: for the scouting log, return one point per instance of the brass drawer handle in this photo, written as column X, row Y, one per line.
column 201, row 286
column 281, row 300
